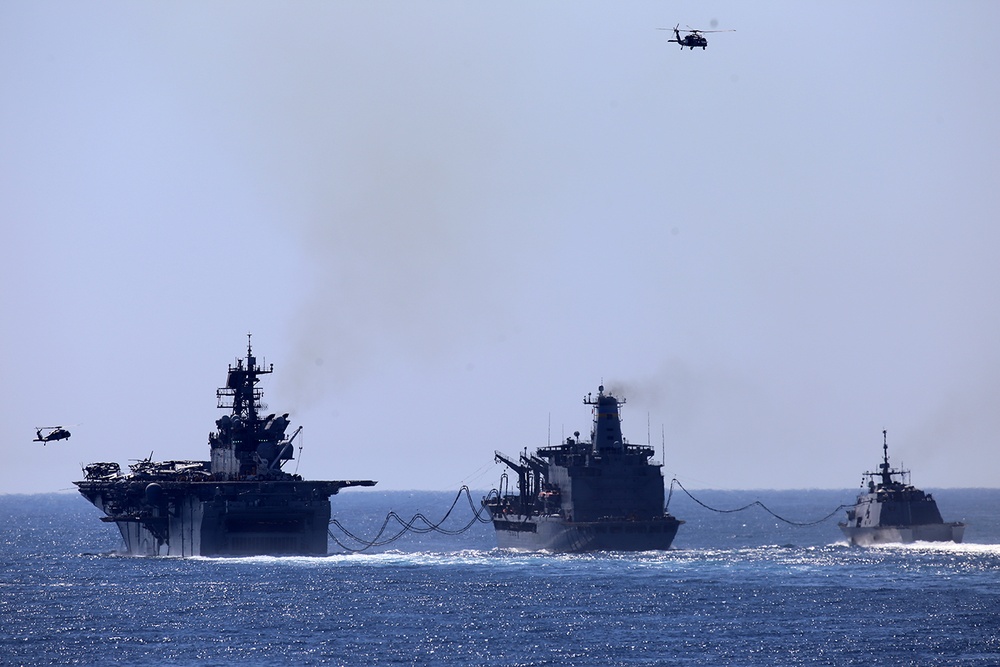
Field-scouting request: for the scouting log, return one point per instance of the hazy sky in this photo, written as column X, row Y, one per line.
column 446, row 222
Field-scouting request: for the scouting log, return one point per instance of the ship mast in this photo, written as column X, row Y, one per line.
column 606, row 433
column 241, row 388
column 242, row 431
column 885, row 472
column 886, row 475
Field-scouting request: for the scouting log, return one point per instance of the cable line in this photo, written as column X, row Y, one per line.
column 412, row 526
column 749, row 505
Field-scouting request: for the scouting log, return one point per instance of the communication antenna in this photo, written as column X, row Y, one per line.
column 299, row 460
column 663, row 445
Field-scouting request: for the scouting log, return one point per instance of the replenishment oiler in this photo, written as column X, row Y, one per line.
column 602, row 494
column 891, row 511
column 240, row 503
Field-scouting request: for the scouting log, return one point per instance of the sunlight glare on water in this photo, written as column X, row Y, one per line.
column 749, row 593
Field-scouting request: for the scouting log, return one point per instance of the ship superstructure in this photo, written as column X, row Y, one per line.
column 891, row 510
column 585, row 495
column 239, row 503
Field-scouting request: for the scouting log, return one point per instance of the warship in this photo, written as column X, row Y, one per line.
column 598, row 495
column 891, row 511
column 239, row 503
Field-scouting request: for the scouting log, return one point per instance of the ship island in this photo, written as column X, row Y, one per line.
column 239, row 503
column 892, row 511
column 601, row 494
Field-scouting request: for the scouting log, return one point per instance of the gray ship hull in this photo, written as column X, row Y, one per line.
column 874, row 535
column 601, row 494
column 893, row 511
column 555, row 534
column 218, row 518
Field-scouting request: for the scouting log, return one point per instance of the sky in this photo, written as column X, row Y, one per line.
column 445, row 223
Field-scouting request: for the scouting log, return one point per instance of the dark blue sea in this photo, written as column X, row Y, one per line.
column 738, row 589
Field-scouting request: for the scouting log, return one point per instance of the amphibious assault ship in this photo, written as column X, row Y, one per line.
column 598, row 495
column 240, row 503
column 892, row 511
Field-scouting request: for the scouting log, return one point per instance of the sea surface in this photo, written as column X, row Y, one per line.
column 742, row 588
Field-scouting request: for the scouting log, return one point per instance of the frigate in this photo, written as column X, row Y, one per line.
column 601, row 494
column 239, row 503
column 890, row 510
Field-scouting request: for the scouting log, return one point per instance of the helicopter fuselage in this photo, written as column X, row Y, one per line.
column 691, row 40
column 58, row 433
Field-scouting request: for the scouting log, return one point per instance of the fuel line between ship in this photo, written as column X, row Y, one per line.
column 420, row 524
column 756, row 503
column 411, row 526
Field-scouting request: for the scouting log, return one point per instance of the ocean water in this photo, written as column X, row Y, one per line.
column 737, row 589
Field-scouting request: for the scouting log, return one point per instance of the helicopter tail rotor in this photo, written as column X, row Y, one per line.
column 677, row 35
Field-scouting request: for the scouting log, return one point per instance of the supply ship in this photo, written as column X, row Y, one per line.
column 893, row 511
column 239, row 503
column 598, row 495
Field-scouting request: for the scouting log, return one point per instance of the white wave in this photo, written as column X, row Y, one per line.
column 944, row 547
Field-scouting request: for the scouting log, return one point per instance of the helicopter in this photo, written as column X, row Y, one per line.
column 54, row 433
column 693, row 37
